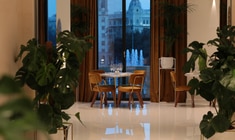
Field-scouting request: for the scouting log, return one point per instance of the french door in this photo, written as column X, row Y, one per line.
column 124, row 37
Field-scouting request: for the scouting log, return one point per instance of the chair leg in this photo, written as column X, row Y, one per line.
column 140, row 99
column 130, row 99
column 94, row 98
column 192, row 98
column 101, row 99
column 114, row 98
column 213, row 103
column 210, row 103
column 105, row 98
column 177, row 98
column 119, row 98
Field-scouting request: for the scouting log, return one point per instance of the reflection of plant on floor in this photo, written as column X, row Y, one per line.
column 16, row 112
column 53, row 72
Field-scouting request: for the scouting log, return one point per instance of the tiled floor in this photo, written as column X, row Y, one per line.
column 156, row 121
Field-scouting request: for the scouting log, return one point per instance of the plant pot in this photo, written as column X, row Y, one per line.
column 167, row 62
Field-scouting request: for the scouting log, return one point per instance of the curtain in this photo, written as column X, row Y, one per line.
column 42, row 20
column 157, row 50
column 224, row 13
column 83, row 90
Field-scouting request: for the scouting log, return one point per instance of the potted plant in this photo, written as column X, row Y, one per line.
column 16, row 111
column 53, row 73
column 217, row 81
column 172, row 29
column 198, row 53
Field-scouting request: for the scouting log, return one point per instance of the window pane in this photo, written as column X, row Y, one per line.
column 109, row 30
column 51, row 24
column 134, row 43
column 138, row 39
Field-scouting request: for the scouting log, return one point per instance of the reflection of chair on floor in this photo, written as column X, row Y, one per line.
column 135, row 85
column 178, row 89
column 99, row 86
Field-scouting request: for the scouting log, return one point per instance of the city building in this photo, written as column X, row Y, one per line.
column 158, row 121
column 111, row 25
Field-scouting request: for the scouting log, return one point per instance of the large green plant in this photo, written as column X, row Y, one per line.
column 172, row 28
column 16, row 112
column 217, row 81
column 53, row 73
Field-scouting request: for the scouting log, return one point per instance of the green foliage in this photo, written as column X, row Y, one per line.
column 197, row 52
column 17, row 114
column 79, row 20
column 193, row 83
column 53, row 72
column 211, row 124
column 217, row 80
column 172, row 29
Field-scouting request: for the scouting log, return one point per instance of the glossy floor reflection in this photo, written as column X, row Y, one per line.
column 156, row 121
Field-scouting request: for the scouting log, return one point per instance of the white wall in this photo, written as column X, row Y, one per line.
column 233, row 11
column 202, row 25
column 16, row 27
column 63, row 14
column 203, row 21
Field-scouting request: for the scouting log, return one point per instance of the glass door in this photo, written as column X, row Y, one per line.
column 124, row 37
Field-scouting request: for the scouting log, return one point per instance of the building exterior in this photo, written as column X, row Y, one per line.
column 110, row 27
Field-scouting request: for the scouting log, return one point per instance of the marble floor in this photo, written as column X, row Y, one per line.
column 155, row 121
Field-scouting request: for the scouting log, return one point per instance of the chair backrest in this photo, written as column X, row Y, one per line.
column 137, row 79
column 98, row 71
column 173, row 78
column 139, row 71
column 94, row 79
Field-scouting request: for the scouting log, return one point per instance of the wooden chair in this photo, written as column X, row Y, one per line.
column 99, row 86
column 213, row 103
column 140, row 71
column 178, row 89
column 98, row 71
column 134, row 86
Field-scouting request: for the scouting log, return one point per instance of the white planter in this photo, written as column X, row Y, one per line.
column 167, row 62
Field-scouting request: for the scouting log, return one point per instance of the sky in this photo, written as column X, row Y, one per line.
column 52, row 7
column 112, row 3
column 145, row 4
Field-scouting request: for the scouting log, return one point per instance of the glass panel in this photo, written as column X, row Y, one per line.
column 134, row 44
column 138, row 39
column 109, row 32
column 51, row 24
